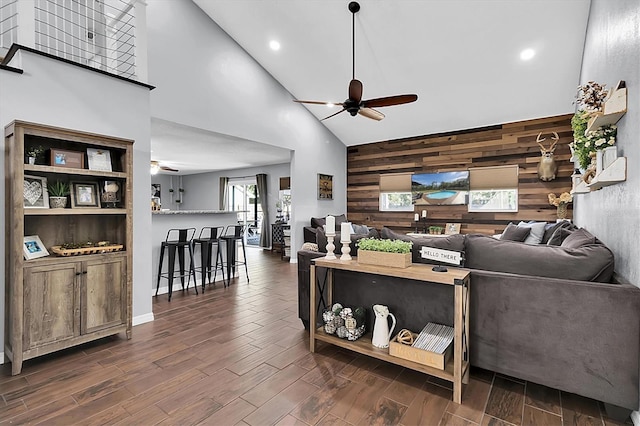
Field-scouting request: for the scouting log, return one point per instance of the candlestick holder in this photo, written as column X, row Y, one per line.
column 346, row 249
column 330, row 246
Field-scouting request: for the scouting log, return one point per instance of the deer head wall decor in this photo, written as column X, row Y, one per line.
column 547, row 168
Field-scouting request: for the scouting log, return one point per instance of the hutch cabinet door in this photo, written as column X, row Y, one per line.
column 50, row 299
column 103, row 294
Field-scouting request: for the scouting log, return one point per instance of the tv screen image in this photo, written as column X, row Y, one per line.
column 440, row 188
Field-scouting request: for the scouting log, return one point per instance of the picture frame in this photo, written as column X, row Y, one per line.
column 99, row 159
column 69, row 159
column 84, row 194
column 35, row 193
column 325, row 187
column 33, row 248
column 452, row 229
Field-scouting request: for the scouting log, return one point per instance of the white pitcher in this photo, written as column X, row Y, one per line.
column 381, row 330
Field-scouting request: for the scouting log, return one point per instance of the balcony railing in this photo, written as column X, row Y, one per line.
column 97, row 33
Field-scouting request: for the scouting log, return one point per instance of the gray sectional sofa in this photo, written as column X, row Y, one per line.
column 552, row 315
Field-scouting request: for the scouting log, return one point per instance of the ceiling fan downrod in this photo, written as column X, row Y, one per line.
column 354, row 7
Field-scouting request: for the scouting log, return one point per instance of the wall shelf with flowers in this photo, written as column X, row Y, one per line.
column 612, row 110
column 594, row 131
column 615, row 173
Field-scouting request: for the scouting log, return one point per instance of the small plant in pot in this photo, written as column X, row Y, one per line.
column 58, row 192
column 32, row 153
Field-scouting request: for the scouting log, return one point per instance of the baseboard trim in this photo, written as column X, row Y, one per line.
column 141, row 319
column 1, row 358
column 635, row 418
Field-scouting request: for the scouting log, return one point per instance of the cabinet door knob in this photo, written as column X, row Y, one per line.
column 84, row 273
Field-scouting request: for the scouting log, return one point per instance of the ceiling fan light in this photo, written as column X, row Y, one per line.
column 155, row 168
column 330, row 105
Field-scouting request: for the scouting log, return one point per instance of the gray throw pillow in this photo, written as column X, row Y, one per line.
column 360, row 229
column 559, row 236
column 578, row 238
column 321, row 241
column 515, row 233
column 537, row 231
column 550, row 228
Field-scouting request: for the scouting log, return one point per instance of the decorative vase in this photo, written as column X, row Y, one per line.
column 562, row 211
column 57, row 202
column 31, row 160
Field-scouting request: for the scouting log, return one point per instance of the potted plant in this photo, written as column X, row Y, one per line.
column 395, row 253
column 33, row 152
column 58, row 192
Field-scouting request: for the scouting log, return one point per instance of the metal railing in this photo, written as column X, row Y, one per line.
column 96, row 33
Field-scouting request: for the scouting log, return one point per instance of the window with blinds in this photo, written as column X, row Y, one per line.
column 395, row 193
column 493, row 189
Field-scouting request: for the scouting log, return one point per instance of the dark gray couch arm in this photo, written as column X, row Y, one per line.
column 577, row 336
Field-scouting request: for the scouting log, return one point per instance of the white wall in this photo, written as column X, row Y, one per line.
column 205, row 80
column 612, row 53
column 54, row 93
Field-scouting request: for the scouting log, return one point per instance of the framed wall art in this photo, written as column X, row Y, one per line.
column 325, row 187
column 84, row 194
column 35, row 194
column 99, row 159
column 33, row 248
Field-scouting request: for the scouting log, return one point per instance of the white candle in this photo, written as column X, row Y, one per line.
column 416, row 217
column 330, row 227
column 424, row 214
column 345, row 231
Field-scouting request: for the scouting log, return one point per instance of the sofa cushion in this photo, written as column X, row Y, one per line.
column 591, row 262
column 537, row 231
column 515, row 233
column 560, row 234
column 551, row 228
column 321, row 240
column 321, row 221
column 453, row 242
column 578, row 239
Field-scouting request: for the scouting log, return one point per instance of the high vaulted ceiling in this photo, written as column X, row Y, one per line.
column 461, row 57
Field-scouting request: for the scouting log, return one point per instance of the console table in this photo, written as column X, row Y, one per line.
column 456, row 370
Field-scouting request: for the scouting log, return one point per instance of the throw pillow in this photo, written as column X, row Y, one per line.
column 578, row 238
column 309, row 247
column 321, row 241
column 559, row 235
column 318, row 221
column 515, row 233
column 537, row 231
column 550, row 228
column 360, row 229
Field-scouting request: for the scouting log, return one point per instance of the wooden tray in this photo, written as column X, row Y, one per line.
column 86, row 250
column 420, row 356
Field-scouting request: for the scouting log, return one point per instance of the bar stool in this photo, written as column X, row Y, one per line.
column 184, row 241
column 233, row 234
column 206, row 252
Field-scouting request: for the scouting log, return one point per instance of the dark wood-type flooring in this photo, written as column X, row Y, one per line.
column 241, row 356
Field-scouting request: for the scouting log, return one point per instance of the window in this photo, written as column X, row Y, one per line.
column 493, row 189
column 395, row 193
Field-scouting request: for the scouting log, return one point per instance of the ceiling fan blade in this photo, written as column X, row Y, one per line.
column 355, row 90
column 371, row 113
column 317, row 102
column 389, row 101
column 342, row 110
column 168, row 169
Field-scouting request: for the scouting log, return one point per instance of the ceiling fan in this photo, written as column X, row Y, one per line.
column 354, row 104
column 156, row 167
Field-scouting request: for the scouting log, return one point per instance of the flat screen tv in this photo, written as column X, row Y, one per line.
column 440, row 188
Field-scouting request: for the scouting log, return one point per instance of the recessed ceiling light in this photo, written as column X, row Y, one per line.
column 527, row 54
column 274, row 45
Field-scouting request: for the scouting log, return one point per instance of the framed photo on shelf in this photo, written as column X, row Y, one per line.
column 33, row 248
column 325, row 187
column 64, row 158
column 35, row 194
column 84, row 194
column 452, row 229
column 99, row 159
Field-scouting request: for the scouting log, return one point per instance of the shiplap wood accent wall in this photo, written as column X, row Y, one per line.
column 511, row 143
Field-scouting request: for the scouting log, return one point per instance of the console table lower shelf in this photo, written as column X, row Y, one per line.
column 457, row 368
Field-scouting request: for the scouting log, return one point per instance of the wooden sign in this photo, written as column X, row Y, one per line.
column 440, row 255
